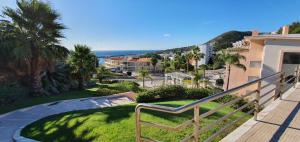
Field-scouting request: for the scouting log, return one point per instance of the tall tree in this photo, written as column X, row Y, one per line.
column 188, row 56
column 103, row 73
column 143, row 74
column 204, row 68
column 82, row 63
column 154, row 62
column 197, row 55
column 39, row 30
column 231, row 59
column 197, row 77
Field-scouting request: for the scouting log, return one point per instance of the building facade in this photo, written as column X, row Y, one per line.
column 265, row 55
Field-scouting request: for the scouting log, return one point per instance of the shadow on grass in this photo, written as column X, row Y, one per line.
column 53, row 129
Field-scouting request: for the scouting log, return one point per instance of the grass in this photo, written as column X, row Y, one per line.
column 118, row 124
column 25, row 101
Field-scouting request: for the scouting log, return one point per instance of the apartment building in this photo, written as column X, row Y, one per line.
column 265, row 55
column 207, row 50
column 130, row 64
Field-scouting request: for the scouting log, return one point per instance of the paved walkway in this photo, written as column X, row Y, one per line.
column 281, row 124
column 13, row 121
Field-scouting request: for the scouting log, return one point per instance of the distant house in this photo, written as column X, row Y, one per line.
column 130, row 64
column 265, row 55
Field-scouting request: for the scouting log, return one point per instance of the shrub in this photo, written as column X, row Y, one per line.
column 106, row 92
column 110, row 89
column 126, row 86
column 195, row 93
column 235, row 105
column 162, row 93
column 9, row 93
column 219, row 82
column 173, row 92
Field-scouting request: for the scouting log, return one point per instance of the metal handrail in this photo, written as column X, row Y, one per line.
column 201, row 101
column 195, row 105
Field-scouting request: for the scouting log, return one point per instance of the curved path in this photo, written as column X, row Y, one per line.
column 12, row 122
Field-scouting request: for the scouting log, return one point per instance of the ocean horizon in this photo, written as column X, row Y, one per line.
column 101, row 54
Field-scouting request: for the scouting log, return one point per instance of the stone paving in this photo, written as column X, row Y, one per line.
column 12, row 122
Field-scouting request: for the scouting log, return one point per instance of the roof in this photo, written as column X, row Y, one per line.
column 275, row 36
column 117, row 58
column 144, row 60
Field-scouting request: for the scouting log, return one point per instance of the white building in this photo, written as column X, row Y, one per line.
column 207, row 50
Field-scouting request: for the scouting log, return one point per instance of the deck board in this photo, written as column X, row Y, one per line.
column 281, row 124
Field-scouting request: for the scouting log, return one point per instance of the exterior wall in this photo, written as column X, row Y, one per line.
column 207, row 50
column 273, row 54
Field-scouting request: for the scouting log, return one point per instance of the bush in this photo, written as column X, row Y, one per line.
column 219, row 82
column 195, row 93
column 106, row 92
column 10, row 93
column 126, row 86
column 162, row 93
column 173, row 92
column 115, row 88
column 235, row 105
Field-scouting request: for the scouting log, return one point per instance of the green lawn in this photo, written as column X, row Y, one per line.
column 26, row 101
column 114, row 124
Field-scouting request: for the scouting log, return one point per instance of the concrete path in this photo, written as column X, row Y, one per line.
column 13, row 121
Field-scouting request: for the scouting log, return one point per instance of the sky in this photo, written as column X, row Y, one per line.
column 164, row 24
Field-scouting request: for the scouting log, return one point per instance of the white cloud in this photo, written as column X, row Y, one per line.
column 167, row 35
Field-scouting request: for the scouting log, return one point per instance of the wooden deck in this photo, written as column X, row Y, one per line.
column 281, row 124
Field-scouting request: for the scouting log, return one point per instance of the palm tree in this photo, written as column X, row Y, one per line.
column 177, row 60
column 197, row 55
column 82, row 63
column 39, row 30
column 154, row 62
column 103, row 73
column 144, row 74
column 188, row 56
column 204, row 67
column 231, row 59
column 197, row 77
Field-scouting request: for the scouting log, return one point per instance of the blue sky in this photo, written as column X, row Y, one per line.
column 164, row 24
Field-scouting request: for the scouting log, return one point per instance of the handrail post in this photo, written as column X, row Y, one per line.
column 196, row 123
column 281, row 86
column 257, row 98
column 138, row 125
column 297, row 76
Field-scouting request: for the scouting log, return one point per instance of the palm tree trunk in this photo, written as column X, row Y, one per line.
column 196, row 65
column 143, row 82
column 228, row 77
column 36, row 84
column 80, row 82
column 187, row 66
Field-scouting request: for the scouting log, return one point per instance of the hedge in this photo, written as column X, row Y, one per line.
column 178, row 92
column 115, row 88
column 173, row 92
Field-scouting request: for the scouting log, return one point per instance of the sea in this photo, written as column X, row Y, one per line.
column 114, row 53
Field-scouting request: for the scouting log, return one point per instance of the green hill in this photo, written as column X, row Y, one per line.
column 222, row 41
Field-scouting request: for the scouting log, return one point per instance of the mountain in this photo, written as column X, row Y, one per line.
column 226, row 39
column 294, row 28
column 222, row 41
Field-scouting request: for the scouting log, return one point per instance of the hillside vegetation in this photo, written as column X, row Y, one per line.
column 222, row 41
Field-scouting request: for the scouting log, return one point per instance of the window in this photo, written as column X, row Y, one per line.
column 251, row 78
column 255, row 64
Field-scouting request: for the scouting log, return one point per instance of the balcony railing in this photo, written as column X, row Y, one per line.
column 276, row 81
